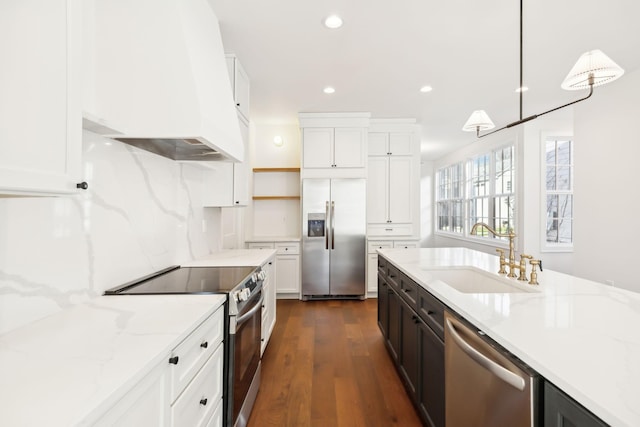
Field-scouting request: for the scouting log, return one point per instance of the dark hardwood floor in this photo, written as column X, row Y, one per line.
column 326, row 365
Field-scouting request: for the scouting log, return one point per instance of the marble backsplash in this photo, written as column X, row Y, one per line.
column 141, row 213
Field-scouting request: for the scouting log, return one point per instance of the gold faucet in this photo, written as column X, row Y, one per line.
column 521, row 267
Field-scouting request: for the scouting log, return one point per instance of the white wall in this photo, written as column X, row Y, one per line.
column 274, row 218
column 141, row 213
column 606, row 177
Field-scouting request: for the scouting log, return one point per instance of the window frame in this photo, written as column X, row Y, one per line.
column 467, row 198
column 545, row 246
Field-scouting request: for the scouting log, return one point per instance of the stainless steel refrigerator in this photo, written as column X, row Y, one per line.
column 333, row 238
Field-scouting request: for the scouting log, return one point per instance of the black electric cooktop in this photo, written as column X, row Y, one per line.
column 187, row 280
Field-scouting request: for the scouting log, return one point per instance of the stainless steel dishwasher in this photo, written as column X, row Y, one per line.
column 485, row 386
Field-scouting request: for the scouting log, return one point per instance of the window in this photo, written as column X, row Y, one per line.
column 450, row 203
column 480, row 190
column 559, row 191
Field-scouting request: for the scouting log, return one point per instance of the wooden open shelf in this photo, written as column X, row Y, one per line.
column 276, row 197
column 256, row 170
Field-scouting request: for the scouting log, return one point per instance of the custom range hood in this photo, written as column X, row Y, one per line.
column 156, row 78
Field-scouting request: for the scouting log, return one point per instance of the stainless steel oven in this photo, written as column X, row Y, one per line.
column 243, row 324
column 245, row 331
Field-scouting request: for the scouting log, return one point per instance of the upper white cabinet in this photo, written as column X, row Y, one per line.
column 334, row 141
column 239, row 84
column 334, row 148
column 226, row 184
column 156, row 70
column 40, row 113
column 393, row 179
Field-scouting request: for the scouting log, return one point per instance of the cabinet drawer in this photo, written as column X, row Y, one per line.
column 408, row 290
column 287, row 248
column 374, row 245
column 194, row 351
column 405, row 244
column 203, row 395
column 431, row 310
column 265, row 245
column 389, row 229
column 393, row 277
column 382, row 267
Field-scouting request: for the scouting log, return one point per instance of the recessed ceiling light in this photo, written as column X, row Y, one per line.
column 328, row 89
column 333, row 22
column 425, row 89
column 522, row 89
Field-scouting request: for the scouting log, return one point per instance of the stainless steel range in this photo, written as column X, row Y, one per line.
column 243, row 323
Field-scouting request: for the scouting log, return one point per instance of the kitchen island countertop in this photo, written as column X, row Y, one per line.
column 582, row 336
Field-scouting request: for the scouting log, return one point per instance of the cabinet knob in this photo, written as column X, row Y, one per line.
column 203, row 402
column 237, row 104
column 174, row 360
column 204, row 344
column 82, row 185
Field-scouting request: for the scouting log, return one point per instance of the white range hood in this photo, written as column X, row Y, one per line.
column 156, row 77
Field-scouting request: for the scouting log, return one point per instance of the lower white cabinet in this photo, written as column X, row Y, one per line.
column 269, row 304
column 145, row 404
column 372, row 259
column 287, row 266
column 185, row 389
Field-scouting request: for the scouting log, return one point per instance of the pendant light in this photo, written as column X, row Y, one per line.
column 593, row 68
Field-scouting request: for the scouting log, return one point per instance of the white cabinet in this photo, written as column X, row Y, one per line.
column 185, row 389
column 226, row 184
column 145, row 404
column 333, row 148
column 287, row 266
column 269, row 304
column 372, row 259
column 196, row 374
column 239, row 84
column 40, row 102
column 393, row 183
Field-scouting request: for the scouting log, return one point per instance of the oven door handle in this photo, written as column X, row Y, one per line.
column 241, row 319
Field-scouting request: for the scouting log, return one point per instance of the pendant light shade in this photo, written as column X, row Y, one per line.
column 593, row 67
column 479, row 120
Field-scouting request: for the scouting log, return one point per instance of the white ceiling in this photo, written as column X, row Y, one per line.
column 467, row 50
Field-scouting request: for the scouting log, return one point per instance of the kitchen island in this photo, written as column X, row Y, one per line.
column 579, row 335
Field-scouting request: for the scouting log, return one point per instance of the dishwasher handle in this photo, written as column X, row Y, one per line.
column 511, row 378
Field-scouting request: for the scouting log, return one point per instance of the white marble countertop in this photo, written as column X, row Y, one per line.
column 67, row 368
column 582, row 336
column 233, row 258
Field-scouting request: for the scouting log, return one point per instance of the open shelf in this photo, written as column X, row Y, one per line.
column 276, row 197
column 257, row 170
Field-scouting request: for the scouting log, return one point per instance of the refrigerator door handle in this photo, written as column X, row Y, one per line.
column 326, row 226
column 511, row 378
column 333, row 217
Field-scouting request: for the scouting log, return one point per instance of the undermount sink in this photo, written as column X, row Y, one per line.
column 470, row 281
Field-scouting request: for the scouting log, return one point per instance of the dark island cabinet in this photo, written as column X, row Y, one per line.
column 562, row 411
column 407, row 319
column 383, row 306
column 431, row 380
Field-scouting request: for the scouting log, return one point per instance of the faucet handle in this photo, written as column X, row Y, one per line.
column 503, row 262
column 523, row 267
column 534, row 274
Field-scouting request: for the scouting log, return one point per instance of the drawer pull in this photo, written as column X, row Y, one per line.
column 430, row 312
column 174, row 360
column 204, row 344
column 406, row 291
column 203, row 402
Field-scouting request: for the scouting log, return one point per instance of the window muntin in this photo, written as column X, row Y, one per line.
column 559, row 191
column 450, row 205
